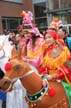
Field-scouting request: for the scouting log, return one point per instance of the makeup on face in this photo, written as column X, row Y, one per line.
column 49, row 39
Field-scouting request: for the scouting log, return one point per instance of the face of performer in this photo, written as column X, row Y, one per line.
column 27, row 35
column 18, row 37
column 49, row 39
column 62, row 32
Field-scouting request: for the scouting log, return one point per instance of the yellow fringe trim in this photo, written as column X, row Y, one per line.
column 54, row 63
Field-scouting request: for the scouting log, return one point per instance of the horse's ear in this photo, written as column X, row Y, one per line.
column 19, row 54
column 15, row 53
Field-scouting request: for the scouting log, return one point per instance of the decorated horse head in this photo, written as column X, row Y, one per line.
column 7, row 52
column 41, row 92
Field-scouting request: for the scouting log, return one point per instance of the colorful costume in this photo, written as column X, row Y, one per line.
column 55, row 58
column 33, row 52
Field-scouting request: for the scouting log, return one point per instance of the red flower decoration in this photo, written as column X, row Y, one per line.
column 51, row 92
column 69, row 57
column 43, row 70
column 8, row 66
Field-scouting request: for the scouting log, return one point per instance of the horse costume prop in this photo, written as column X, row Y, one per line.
column 41, row 92
column 6, row 53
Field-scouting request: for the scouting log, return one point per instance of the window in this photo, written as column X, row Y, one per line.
column 11, row 24
column 41, row 22
column 40, row 16
column 4, row 24
column 39, row 9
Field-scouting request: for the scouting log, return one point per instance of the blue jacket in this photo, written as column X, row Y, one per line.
column 68, row 42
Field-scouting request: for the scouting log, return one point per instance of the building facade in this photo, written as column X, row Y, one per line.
column 10, row 11
column 43, row 10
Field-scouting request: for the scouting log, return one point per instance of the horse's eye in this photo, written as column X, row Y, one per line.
column 17, row 67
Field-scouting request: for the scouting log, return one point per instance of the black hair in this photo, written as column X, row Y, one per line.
column 60, row 27
column 1, row 74
column 53, row 29
column 34, row 37
column 63, row 29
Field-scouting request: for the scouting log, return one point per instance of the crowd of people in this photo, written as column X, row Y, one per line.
column 50, row 52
